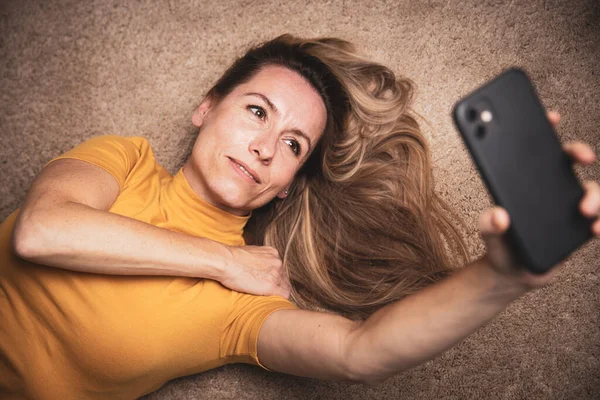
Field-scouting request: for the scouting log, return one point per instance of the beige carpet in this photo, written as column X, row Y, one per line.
column 70, row 70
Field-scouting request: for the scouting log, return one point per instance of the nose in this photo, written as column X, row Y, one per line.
column 263, row 146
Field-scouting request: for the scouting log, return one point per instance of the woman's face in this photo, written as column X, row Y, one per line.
column 253, row 141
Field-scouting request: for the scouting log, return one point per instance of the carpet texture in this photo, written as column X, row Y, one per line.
column 70, row 70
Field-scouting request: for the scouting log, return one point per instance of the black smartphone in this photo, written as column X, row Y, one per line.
column 523, row 165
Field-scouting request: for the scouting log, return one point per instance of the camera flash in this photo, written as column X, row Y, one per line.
column 486, row 116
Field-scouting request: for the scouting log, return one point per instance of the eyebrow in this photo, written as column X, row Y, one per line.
column 276, row 111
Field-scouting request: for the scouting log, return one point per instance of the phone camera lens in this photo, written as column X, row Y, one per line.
column 472, row 115
column 480, row 131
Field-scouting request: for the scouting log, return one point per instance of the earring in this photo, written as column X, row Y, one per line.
column 285, row 192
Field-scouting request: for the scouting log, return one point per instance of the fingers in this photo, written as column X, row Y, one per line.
column 596, row 227
column 283, row 291
column 268, row 250
column 496, row 220
column 590, row 205
column 554, row 117
column 583, row 153
column 283, row 288
column 580, row 152
column 277, row 284
column 274, row 265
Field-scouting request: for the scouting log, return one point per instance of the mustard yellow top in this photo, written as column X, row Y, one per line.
column 72, row 335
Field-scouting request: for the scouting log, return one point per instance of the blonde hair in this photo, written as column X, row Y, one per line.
column 362, row 226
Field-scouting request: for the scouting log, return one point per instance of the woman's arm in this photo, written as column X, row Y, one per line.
column 395, row 338
column 64, row 223
column 419, row 327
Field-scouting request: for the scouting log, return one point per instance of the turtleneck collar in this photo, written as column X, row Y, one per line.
column 181, row 202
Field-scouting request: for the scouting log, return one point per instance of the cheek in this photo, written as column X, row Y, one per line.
column 234, row 133
column 284, row 174
column 221, row 137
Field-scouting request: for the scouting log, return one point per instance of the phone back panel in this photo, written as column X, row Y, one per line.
column 525, row 169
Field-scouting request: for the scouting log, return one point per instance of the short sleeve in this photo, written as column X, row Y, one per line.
column 239, row 340
column 115, row 154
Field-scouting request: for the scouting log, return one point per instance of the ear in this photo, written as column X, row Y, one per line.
column 283, row 195
column 200, row 113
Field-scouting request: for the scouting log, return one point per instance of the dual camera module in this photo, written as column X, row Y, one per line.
column 480, row 117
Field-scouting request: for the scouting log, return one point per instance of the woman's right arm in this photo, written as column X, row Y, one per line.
column 64, row 222
column 396, row 338
column 420, row 326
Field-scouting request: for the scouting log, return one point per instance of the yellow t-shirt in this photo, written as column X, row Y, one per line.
column 66, row 334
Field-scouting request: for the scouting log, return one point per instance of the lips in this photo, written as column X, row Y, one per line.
column 249, row 172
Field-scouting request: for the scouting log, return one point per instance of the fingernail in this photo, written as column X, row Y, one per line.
column 496, row 220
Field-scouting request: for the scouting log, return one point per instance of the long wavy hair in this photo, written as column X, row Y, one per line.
column 362, row 226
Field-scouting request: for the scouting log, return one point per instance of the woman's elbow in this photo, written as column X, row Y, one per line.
column 365, row 378
column 362, row 366
column 26, row 241
column 358, row 371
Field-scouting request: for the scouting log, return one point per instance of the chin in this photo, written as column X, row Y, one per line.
column 237, row 208
column 231, row 199
column 237, row 199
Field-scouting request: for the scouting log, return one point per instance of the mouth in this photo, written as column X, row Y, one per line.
column 244, row 169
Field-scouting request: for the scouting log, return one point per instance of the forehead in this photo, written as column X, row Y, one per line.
column 295, row 99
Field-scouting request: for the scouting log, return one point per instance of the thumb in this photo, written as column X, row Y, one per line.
column 492, row 225
column 494, row 221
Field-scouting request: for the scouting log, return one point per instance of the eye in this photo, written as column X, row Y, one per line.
column 294, row 145
column 258, row 111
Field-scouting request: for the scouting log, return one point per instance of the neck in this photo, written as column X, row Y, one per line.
column 192, row 177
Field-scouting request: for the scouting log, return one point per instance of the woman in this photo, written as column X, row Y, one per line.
column 307, row 153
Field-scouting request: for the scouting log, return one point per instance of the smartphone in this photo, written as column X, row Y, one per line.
column 525, row 169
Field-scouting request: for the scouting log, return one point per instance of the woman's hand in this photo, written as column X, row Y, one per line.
column 496, row 221
column 256, row 270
